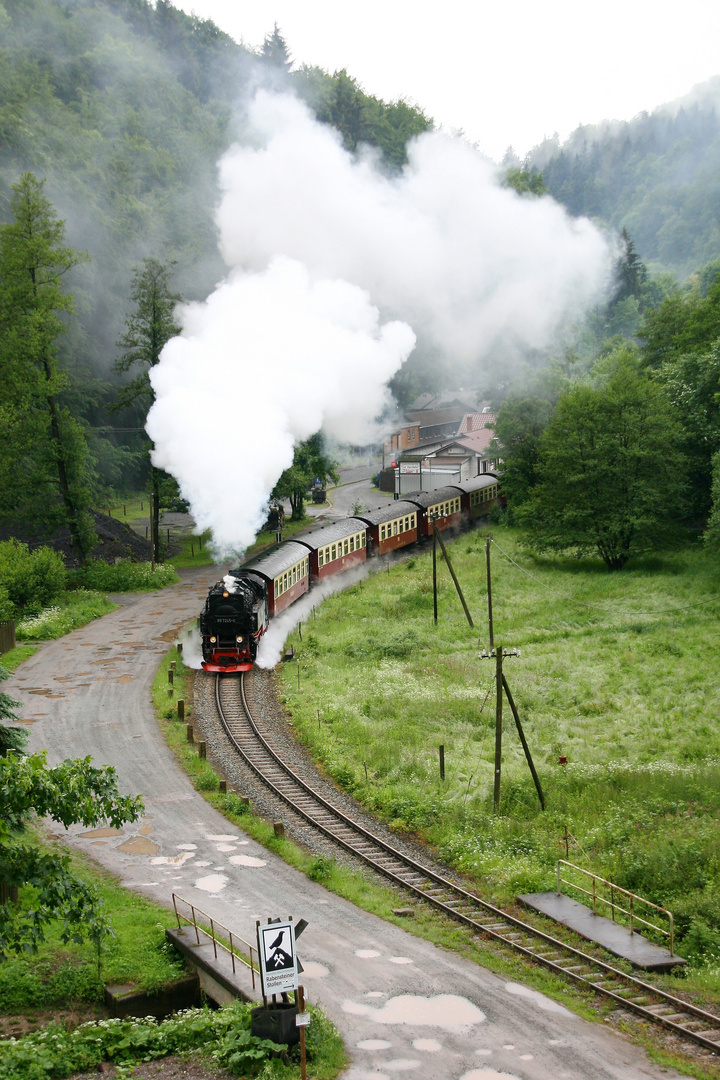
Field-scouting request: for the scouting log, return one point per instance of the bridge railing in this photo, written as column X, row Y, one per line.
column 226, row 941
column 612, row 902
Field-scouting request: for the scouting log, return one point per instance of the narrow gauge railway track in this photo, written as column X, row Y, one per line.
column 631, row 993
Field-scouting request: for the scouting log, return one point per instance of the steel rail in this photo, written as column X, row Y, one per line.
column 463, row 906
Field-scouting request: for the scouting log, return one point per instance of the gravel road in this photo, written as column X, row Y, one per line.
column 401, row 1004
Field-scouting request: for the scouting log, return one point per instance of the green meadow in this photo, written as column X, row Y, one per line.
column 617, row 674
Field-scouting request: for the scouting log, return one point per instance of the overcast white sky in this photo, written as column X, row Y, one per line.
column 505, row 73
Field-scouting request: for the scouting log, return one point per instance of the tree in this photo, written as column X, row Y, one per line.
column 692, row 382
column 71, row 792
column 518, row 430
column 712, row 534
column 611, row 471
column 275, row 52
column 630, row 271
column 150, row 325
column 309, row 461
column 11, row 738
column 524, row 181
column 45, row 452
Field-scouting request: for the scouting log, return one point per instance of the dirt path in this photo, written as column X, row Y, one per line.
column 401, row 1004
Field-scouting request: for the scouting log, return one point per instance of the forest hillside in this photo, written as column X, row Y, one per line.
column 658, row 176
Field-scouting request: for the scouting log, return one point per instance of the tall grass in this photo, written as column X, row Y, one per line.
column 616, row 675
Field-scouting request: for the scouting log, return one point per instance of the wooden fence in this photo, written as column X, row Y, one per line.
column 7, row 637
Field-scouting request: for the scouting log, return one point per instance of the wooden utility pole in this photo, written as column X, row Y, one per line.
column 525, row 746
column 152, row 528
column 498, row 725
column 489, row 588
column 434, row 572
column 453, row 575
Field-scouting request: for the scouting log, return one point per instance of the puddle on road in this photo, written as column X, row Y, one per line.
column 186, row 847
column 145, row 830
column 47, row 693
column 172, row 860
column 102, row 832
column 373, row 1044
column 213, row 883
column 401, row 960
column 447, row 1011
column 223, row 838
column 125, row 678
column 314, row 970
column 366, row 954
column 246, row 860
column 401, row 1065
column 430, row 1046
column 139, row 845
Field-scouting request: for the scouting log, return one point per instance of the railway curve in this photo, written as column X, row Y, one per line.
column 651, row 1003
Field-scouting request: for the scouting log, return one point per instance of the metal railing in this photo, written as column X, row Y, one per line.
column 216, row 941
column 611, row 903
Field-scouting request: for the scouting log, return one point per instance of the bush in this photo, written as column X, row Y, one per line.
column 31, row 580
column 7, row 608
column 78, row 608
column 125, row 576
column 58, row 1053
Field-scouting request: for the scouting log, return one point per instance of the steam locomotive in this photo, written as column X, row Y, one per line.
column 239, row 608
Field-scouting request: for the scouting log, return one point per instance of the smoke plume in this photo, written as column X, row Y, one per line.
column 334, row 268
column 273, row 641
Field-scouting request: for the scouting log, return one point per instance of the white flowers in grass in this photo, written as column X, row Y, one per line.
column 34, row 624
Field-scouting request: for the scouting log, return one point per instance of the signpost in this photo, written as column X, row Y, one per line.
column 279, row 968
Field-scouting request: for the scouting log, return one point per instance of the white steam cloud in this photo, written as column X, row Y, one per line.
column 323, row 248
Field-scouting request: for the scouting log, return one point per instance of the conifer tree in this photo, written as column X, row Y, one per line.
column 45, row 452
column 150, row 325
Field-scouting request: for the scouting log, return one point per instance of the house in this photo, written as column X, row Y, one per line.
column 450, row 451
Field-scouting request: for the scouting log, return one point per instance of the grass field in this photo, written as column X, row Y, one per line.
column 616, row 674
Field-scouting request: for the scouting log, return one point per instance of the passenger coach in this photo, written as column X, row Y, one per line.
column 334, row 548
column 286, row 572
column 443, row 505
column 391, row 527
column 479, row 492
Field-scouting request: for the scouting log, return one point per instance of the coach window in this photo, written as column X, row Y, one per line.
column 362, row 539
column 346, row 547
column 352, row 543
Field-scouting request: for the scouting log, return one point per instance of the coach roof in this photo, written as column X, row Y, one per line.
column 388, row 513
column 275, row 562
column 329, row 534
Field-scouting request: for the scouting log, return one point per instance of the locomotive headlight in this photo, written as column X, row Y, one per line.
column 213, row 640
column 226, row 594
column 238, row 638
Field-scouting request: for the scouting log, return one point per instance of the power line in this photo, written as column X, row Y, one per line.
column 596, row 607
